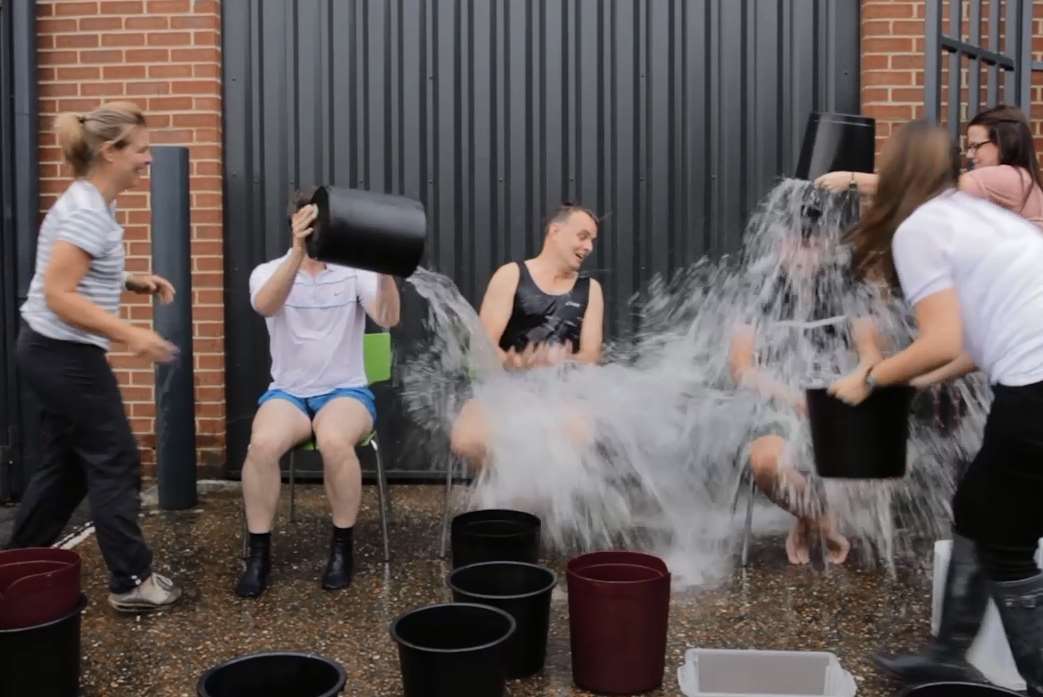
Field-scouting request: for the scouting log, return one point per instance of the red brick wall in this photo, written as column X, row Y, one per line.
column 166, row 56
column 892, row 63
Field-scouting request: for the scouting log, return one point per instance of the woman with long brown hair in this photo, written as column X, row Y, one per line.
column 70, row 318
column 971, row 272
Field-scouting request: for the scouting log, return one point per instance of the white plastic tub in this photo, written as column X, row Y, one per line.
column 990, row 652
column 729, row 673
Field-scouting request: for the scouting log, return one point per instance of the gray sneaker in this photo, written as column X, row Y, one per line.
column 154, row 593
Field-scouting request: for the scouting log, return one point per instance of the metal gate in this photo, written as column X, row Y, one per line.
column 670, row 116
column 993, row 42
column 18, row 203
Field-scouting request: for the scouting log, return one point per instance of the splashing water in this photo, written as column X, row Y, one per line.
column 650, row 449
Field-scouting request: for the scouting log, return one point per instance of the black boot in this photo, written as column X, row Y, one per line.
column 1021, row 608
column 963, row 608
column 258, row 563
column 341, row 564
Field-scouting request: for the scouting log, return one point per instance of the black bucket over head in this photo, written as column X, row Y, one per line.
column 836, row 142
column 274, row 674
column 521, row 590
column 956, row 689
column 495, row 534
column 367, row 230
column 863, row 442
column 453, row 649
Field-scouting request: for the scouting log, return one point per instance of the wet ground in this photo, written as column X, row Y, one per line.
column 850, row 611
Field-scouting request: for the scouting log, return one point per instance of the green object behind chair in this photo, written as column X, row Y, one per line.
column 376, row 356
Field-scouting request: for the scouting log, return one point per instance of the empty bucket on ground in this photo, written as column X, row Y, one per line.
column 452, row 650
column 523, row 591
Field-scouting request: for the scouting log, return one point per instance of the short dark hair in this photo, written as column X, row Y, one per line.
column 566, row 209
column 299, row 198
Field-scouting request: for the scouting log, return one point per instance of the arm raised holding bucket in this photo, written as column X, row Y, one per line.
column 971, row 271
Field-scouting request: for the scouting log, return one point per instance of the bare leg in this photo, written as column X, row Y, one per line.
column 470, row 435
column 339, row 426
column 788, row 488
column 277, row 427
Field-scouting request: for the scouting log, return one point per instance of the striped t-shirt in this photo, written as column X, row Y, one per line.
column 80, row 217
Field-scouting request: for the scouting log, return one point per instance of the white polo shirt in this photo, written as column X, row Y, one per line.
column 316, row 337
column 994, row 260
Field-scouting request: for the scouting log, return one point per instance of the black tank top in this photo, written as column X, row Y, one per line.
column 538, row 317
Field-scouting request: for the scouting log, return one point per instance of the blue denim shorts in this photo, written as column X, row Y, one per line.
column 311, row 405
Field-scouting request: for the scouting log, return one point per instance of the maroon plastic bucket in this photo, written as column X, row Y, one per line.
column 37, row 585
column 619, row 605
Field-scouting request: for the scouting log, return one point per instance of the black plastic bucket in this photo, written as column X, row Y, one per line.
column 495, row 534
column 956, row 689
column 453, row 650
column 521, row 590
column 619, row 607
column 274, row 674
column 863, row 442
column 42, row 660
column 367, row 230
column 836, row 142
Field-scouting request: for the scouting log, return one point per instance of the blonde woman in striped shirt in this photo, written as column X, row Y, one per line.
column 70, row 318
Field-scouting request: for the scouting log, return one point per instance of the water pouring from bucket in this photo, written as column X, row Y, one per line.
column 384, row 233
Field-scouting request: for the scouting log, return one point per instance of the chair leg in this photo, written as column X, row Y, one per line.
column 749, row 522
column 293, row 482
column 382, row 490
column 445, row 504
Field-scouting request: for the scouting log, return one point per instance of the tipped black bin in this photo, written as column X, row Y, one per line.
column 956, row 689
column 367, row 230
column 863, row 442
column 521, row 590
column 274, row 674
column 495, row 534
column 42, row 660
column 453, row 650
column 836, row 142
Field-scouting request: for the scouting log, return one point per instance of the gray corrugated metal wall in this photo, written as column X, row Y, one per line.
column 671, row 116
column 18, row 206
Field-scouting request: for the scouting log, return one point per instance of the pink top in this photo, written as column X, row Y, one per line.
column 1006, row 186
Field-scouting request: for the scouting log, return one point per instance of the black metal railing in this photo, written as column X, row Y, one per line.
column 1012, row 67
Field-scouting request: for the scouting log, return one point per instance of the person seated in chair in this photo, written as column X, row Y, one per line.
column 539, row 312
column 315, row 314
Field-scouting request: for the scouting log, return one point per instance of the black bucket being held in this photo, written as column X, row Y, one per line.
column 836, row 142
column 495, row 534
column 867, row 441
column 521, row 590
column 367, row 230
column 453, row 650
column 274, row 674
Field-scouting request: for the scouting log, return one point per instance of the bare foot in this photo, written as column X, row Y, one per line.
column 836, row 544
column 798, row 548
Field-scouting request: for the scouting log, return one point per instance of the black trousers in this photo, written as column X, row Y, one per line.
column 87, row 450
column 999, row 502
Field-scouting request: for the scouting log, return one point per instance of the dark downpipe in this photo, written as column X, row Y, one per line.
column 172, row 259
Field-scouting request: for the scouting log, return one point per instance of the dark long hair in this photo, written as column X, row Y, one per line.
column 919, row 162
column 1009, row 130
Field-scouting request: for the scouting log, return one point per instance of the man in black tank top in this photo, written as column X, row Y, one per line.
column 539, row 312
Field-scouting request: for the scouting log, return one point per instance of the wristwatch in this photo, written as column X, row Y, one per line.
column 870, row 380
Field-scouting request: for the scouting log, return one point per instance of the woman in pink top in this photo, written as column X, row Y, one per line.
column 1006, row 171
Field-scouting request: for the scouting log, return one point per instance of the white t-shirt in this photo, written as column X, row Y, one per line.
column 994, row 260
column 317, row 335
column 81, row 218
